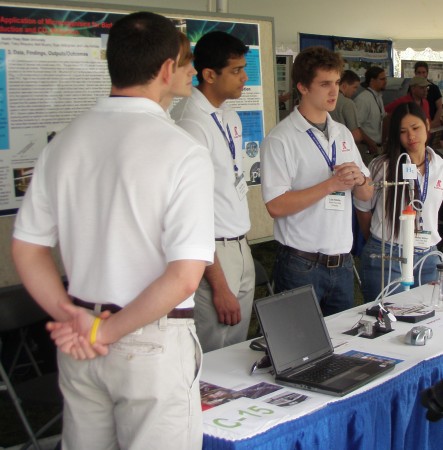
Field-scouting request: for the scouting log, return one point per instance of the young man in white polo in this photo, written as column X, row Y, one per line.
column 128, row 196
column 223, row 301
column 310, row 169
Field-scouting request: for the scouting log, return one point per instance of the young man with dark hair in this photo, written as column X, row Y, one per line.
column 351, row 79
column 434, row 97
column 223, row 301
column 214, row 50
column 371, row 112
column 310, row 169
column 135, row 227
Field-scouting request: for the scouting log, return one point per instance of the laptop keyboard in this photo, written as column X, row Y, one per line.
column 330, row 367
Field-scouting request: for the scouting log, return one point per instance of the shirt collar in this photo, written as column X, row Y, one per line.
column 205, row 104
column 302, row 125
column 131, row 104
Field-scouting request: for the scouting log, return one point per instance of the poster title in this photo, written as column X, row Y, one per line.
column 47, row 26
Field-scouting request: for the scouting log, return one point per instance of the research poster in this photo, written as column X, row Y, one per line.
column 360, row 54
column 53, row 67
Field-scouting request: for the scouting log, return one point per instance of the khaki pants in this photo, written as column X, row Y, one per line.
column 238, row 268
column 143, row 395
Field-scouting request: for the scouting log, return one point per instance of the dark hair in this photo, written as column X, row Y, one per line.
column 349, row 77
column 213, row 51
column 419, row 64
column 372, row 73
column 309, row 60
column 391, row 153
column 138, row 45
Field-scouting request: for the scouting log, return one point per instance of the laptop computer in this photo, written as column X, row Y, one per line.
column 300, row 348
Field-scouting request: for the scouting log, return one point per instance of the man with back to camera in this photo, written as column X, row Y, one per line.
column 310, row 168
column 370, row 108
column 434, row 97
column 129, row 195
column 223, row 301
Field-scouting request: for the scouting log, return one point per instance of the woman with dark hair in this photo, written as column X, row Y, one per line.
column 408, row 134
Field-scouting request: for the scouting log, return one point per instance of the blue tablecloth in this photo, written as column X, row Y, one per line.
column 387, row 417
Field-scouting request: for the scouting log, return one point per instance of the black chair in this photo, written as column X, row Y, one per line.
column 261, row 281
column 261, row 277
column 18, row 312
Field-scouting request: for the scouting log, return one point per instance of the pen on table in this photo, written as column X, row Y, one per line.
column 432, row 321
column 339, row 345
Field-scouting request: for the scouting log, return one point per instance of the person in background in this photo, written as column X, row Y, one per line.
column 282, row 99
column 345, row 111
column 417, row 91
column 223, row 301
column 128, row 195
column 421, row 69
column 371, row 112
column 310, row 169
column 407, row 134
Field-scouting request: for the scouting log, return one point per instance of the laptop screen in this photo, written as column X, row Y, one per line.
column 294, row 328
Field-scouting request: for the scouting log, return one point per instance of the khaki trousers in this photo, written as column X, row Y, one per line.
column 238, row 267
column 143, row 395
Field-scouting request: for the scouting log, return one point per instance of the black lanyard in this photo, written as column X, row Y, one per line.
column 376, row 101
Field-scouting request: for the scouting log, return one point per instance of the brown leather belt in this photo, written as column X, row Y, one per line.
column 330, row 261
column 238, row 238
column 181, row 313
column 176, row 313
column 97, row 307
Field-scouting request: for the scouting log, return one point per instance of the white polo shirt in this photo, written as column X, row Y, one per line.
column 125, row 191
column 291, row 161
column 194, row 115
column 431, row 205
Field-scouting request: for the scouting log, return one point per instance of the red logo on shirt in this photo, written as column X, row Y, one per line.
column 344, row 147
column 236, row 135
column 438, row 185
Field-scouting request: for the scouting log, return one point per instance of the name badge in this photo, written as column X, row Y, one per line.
column 335, row 201
column 422, row 239
column 241, row 186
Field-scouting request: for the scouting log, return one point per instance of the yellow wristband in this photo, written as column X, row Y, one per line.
column 94, row 329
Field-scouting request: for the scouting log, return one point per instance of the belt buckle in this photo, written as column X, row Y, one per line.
column 330, row 265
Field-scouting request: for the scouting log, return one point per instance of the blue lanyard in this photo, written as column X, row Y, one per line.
column 229, row 140
column 422, row 195
column 330, row 162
